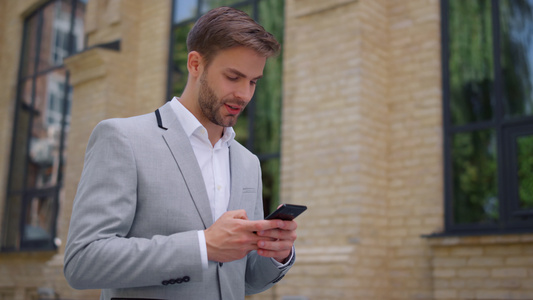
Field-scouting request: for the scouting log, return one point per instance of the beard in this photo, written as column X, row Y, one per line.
column 211, row 106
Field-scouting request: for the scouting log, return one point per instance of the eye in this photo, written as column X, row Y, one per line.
column 253, row 82
column 232, row 78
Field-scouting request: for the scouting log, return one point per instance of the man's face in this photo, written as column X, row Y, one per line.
column 228, row 86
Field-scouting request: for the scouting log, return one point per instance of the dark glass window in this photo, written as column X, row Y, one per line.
column 42, row 120
column 488, row 114
column 259, row 127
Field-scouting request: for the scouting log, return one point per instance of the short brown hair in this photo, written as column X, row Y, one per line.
column 225, row 27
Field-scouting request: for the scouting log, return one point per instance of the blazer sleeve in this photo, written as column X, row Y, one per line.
column 98, row 253
column 261, row 272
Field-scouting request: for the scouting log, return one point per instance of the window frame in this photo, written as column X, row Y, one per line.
column 505, row 129
column 46, row 193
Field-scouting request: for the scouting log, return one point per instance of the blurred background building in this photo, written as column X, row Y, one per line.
column 406, row 127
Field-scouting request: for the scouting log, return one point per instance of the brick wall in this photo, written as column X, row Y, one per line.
column 415, row 191
column 334, row 156
column 487, row 267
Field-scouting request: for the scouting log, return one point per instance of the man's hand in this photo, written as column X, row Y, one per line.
column 233, row 236
column 281, row 241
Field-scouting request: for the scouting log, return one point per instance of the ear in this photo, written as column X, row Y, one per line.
column 194, row 63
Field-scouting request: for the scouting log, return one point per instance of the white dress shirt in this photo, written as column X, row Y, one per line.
column 213, row 160
column 214, row 164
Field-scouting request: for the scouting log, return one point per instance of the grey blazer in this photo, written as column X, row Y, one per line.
column 140, row 202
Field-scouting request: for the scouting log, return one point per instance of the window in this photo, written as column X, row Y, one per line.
column 488, row 115
column 42, row 120
column 259, row 128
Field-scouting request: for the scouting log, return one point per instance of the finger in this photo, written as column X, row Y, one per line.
column 275, row 245
column 286, row 226
column 237, row 214
column 263, row 225
column 289, row 225
column 274, row 234
column 269, row 253
column 277, row 234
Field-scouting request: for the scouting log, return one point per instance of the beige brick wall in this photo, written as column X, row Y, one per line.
column 415, row 188
column 334, row 155
column 487, row 267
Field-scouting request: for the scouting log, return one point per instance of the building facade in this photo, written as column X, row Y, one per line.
column 405, row 143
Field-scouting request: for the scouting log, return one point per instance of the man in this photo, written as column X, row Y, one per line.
column 169, row 206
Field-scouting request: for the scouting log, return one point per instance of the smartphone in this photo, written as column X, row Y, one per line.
column 287, row 212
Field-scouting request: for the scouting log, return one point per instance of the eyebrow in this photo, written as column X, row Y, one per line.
column 240, row 74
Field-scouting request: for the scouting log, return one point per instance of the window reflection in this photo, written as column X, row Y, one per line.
column 39, row 221
column 52, row 33
column 525, row 171
column 184, row 10
column 30, row 49
column 210, row 4
column 50, row 96
column 470, row 61
column 179, row 55
column 489, row 98
column 516, row 18
column 474, row 165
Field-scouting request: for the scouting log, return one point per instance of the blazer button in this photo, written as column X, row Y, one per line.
column 186, row 279
column 220, row 264
column 172, row 281
column 165, row 282
column 179, row 280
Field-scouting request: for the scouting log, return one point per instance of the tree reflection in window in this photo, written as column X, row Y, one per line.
column 488, row 46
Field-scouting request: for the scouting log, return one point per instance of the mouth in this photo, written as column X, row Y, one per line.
column 233, row 109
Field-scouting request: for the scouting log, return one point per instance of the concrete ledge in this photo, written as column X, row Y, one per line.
column 90, row 64
column 442, row 241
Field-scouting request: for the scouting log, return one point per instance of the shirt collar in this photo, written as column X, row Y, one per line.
column 191, row 125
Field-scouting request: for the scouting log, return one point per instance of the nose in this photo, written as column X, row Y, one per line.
column 244, row 91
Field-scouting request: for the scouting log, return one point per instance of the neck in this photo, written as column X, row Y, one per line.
column 214, row 132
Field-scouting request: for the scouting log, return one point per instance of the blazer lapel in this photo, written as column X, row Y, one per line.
column 178, row 143
column 236, row 174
